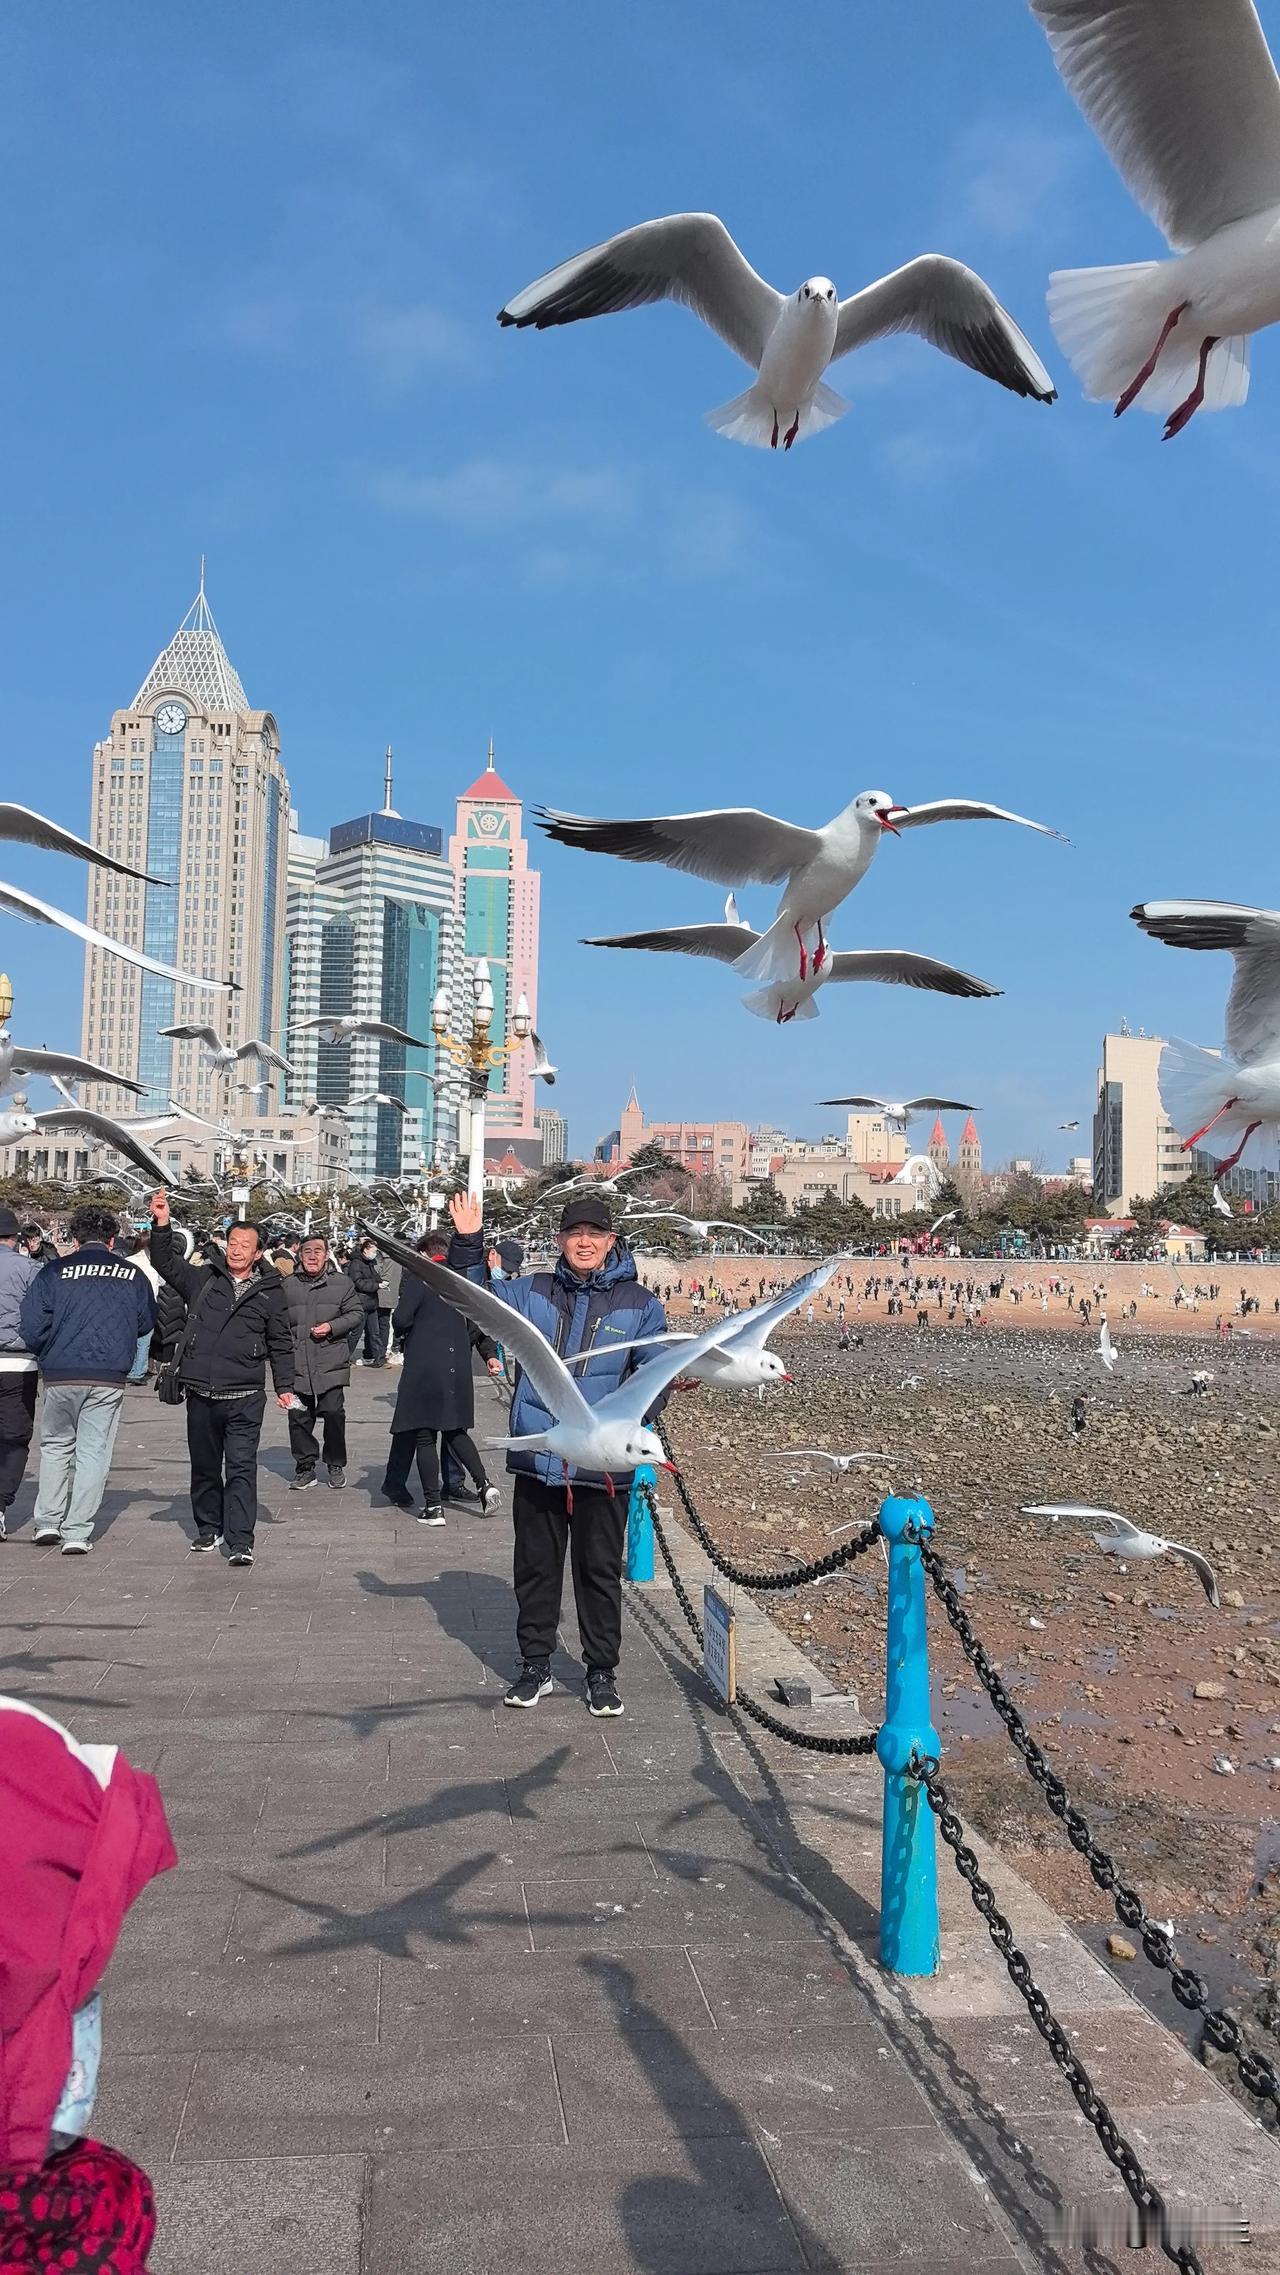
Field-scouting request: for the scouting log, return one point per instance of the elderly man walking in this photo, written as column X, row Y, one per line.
column 326, row 1321
column 82, row 1316
column 237, row 1319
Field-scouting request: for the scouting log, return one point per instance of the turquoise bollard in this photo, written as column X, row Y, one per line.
column 908, row 1858
column 639, row 1564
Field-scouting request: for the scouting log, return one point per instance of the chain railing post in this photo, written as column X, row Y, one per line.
column 640, row 1524
column 908, row 1858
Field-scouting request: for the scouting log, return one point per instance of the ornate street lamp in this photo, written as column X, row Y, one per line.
column 477, row 1055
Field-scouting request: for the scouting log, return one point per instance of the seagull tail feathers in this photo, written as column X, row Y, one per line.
column 1194, row 1086
column 1107, row 321
column 773, row 957
column 769, row 1002
column 752, row 418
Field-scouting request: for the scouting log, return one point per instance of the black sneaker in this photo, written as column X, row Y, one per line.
column 431, row 1515
column 397, row 1500
column 303, row 1482
column 602, row 1692
column 241, row 1556
column 532, row 1683
column 336, row 1475
column 201, row 1547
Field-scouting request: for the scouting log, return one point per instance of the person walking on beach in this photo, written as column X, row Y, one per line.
column 326, row 1321
column 83, row 1316
column 237, row 1320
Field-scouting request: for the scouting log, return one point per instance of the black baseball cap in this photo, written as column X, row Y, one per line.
column 510, row 1255
column 588, row 1209
column 9, row 1226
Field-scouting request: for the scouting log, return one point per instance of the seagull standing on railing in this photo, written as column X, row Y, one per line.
column 1128, row 1540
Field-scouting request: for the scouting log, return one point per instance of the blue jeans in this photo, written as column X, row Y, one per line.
column 77, row 1434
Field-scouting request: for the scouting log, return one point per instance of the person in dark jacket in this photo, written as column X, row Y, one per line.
column 237, row 1318
column 37, row 1243
column 326, row 1320
column 592, row 1301
column 82, row 1316
column 367, row 1275
column 435, row 1397
column 19, row 1375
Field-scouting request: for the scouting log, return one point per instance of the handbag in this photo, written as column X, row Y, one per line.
column 168, row 1384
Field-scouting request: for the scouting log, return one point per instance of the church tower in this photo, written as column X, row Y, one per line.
column 939, row 1150
column 969, row 1164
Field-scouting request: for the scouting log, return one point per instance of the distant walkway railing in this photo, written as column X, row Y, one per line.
column 915, row 1798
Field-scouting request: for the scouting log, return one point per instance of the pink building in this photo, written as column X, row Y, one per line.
column 497, row 917
column 704, row 1149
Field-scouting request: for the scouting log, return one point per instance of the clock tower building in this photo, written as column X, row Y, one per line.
column 189, row 786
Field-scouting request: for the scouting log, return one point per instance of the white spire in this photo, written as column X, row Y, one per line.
column 387, row 806
column 195, row 663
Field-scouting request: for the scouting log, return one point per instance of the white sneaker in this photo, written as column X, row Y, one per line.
column 76, row 1547
column 491, row 1501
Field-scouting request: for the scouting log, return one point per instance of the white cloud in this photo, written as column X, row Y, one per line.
column 487, row 494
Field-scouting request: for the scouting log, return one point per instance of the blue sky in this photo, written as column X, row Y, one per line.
column 253, row 259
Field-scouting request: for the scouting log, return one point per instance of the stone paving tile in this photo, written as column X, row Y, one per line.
column 300, row 2214
column 546, row 1991
column 772, row 1986
column 616, row 1909
column 329, row 1997
column 499, row 2097
column 851, row 2196
column 633, row 2081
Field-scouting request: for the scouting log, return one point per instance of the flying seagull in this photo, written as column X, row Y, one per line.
column 17, row 903
column 222, row 1055
column 23, row 827
column 1236, row 1093
column 335, row 1027
column 22, row 1059
column 107, row 1132
column 1184, row 97
column 1127, row 1540
column 792, row 998
column 16, row 1122
column 838, row 1463
column 373, row 1098
column 543, row 1070
column 1107, row 1351
column 701, row 1225
column 611, row 1437
column 738, row 846
column 737, row 1358
column 938, row 1222
column 788, row 342
column 1068, row 1125
column 1221, row 1203
column 899, row 1111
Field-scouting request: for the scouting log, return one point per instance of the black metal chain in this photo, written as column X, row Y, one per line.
column 865, row 1743
column 1259, row 2076
column 1147, row 2197
column 799, row 1576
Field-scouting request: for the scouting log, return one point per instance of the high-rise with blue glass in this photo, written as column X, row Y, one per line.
column 189, row 786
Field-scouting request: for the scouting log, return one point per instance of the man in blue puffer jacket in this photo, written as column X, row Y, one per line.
column 82, row 1316
column 593, row 1302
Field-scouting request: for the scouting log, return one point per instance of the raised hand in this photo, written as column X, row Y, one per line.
column 467, row 1212
column 160, row 1208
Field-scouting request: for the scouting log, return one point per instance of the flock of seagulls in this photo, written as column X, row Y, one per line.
column 1183, row 96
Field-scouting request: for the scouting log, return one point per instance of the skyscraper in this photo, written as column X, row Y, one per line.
column 370, row 930
column 1136, row 1150
column 555, row 1135
column 188, row 785
column 497, row 917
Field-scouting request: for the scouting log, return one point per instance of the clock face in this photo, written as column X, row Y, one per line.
column 171, row 718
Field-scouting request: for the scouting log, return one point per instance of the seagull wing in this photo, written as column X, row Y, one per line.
column 964, row 810
column 1200, row 1565
column 24, row 827
column 18, row 903
column 257, row 1049
column 946, row 304
column 639, row 1343
column 635, row 1396
column 898, row 967
column 941, row 1106
column 71, row 1068
column 306, row 1026
column 1087, row 1515
column 724, row 942
column 753, row 1328
column 804, row 1453
column 207, row 1035
column 872, row 1105
column 686, row 257
column 1105, row 1344
column 1183, row 97
column 737, row 846
column 389, row 1034
column 1252, row 935
column 112, row 1133
column 545, row 1368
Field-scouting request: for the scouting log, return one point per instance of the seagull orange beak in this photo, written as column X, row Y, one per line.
column 670, row 1468
column 788, row 1378
column 885, row 822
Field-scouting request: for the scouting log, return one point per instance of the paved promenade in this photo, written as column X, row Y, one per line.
column 442, row 1987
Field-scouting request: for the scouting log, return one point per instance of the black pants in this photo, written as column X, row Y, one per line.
column 331, row 1408
column 17, row 1421
column 222, row 1439
column 408, row 1445
column 377, row 1328
column 594, row 1536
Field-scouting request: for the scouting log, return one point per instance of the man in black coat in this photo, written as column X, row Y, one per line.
column 237, row 1318
column 367, row 1275
column 435, row 1397
column 326, row 1320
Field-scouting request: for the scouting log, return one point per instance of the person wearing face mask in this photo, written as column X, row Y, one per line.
column 592, row 1301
